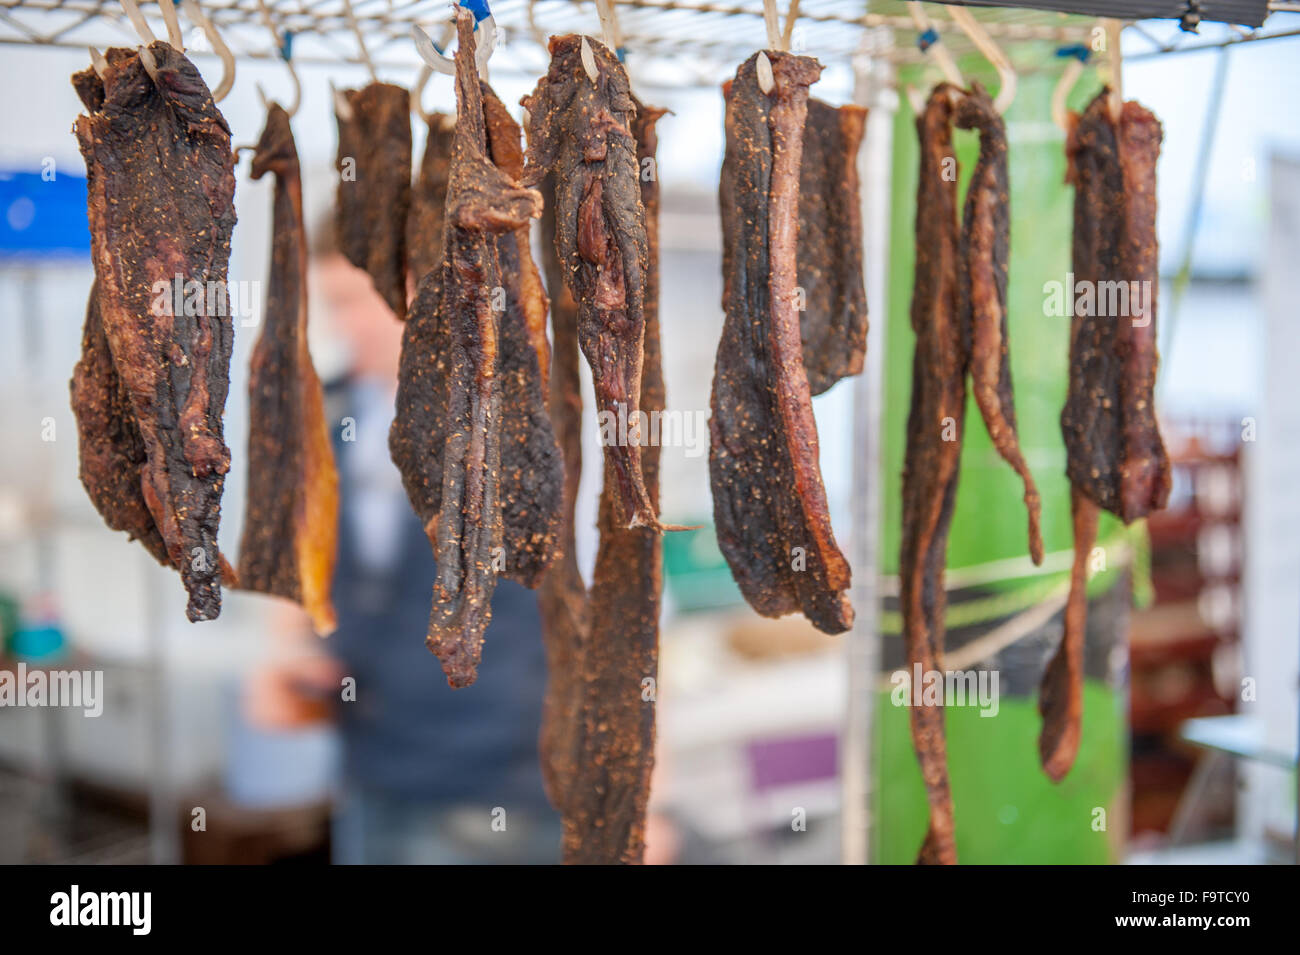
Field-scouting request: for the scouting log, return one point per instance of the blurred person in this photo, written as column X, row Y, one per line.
column 429, row 774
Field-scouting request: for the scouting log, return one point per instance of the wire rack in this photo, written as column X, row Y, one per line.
column 684, row 42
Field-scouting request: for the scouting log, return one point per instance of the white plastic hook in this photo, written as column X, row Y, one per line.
column 98, row 62
column 278, row 42
column 485, row 44
column 763, row 69
column 196, row 14
column 423, row 45
column 341, row 105
column 984, row 43
column 589, row 60
column 435, row 59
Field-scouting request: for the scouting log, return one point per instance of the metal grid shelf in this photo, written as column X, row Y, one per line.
column 683, row 41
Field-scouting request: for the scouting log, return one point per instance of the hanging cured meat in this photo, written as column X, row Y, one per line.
column 833, row 324
column 291, row 520
column 986, row 226
column 769, row 505
column 532, row 469
column 604, row 814
column 562, row 595
column 428, row 198
column 959, row 318
column 374, row 191
column 1115, row 458
column 111, row 449
column 935, row 423
column 580, row 134
column 446, row 438
column 161, row 188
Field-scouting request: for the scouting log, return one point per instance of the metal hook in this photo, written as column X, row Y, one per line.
column 193, row 11
column 791, row 15
column 174, row 36
column 609, row 30
column 992, row 52
column 361, row 43
column 142, row 28
column 1115, row 57
column 282, row 48
column 772, row 22
column 1077, row 58
column 932, row 46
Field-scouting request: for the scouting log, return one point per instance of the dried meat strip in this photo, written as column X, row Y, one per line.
column 935, row 422
column 110, row 448
column 161, row 208
column 604, row 818
column 446, row 436
column 374, row 191
column 833, row 325
column 1115, row 457
column 109, row 444
column 580, row 134
column 562, row 595
column 291, row 520
column 985, row 238
column 769, row 504
column 428, row 199
column 532, row 469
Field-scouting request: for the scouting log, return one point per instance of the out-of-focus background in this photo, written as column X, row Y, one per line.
column 1191, row 719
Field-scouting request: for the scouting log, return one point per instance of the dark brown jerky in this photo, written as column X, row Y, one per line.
column 934, row 433
column 291, row 519
column 532, row 469
column 428, row 198
column 985, row 238
column 562, row 595
column 446, row 437
column 1060, row 699
column 111, row 449
column 769, row 505
column 374, row 192
column 833, row 326
column 161, row 210
column 1115, row 458
column 604, row 815
column 580, row 134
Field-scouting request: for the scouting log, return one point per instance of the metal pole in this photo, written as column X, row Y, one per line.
column 873, row 82
column 164, row 843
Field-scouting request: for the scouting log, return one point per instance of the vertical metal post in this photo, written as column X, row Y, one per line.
column 164, row 842
column 873, row 88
